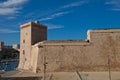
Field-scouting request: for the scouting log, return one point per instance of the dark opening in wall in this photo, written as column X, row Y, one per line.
column 23, row 41
column 23, row 52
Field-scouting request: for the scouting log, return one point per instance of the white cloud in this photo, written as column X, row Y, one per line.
column 8, row 11
column 11, row 6
column 116, row 9
column 54, row 16
column 11, row 17
column 114, row 4
column 74, row 4
column 11, row 3
column 8, row 31
column 53, row 26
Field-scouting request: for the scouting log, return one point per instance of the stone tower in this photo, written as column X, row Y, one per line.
column 1, row 45
column 30, row 34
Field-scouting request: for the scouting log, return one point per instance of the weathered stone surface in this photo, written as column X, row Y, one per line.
column 1, row 45
column 31, row 33
column 38, row 55
column 82, row 56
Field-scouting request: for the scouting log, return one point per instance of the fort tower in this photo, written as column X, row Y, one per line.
column 1, row 45
column 31, row 33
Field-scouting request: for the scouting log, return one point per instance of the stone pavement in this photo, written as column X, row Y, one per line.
column 62, row 76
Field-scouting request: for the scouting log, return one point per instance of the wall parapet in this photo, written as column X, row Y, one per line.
column 92, row 33
column 67, row 43
column 77, row 42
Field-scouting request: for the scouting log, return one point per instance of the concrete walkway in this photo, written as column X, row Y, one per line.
column 62, row 75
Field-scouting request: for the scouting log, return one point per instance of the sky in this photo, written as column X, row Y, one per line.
column 66, row 19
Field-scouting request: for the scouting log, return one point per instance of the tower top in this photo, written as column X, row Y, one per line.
column 36, row 23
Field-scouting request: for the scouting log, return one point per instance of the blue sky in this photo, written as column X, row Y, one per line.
column 66, row 19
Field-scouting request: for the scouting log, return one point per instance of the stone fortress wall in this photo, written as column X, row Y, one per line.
column 4, row 48
column 101, row 47
column 14, row 46
column 90, row 55
column 1, row 45
column 30, row 34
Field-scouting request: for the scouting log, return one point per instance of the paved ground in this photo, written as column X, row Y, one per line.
column 31, row 78
column 65, row 76
column 83, row 76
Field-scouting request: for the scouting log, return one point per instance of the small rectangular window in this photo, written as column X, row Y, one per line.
column 23, row 41
column 23, row 52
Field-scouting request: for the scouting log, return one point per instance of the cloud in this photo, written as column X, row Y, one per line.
column 11, row 17
column 54, row 16
column 114, row 4
column 54, row 13
column 116, row 9
column 53, row 26
column 11, row 6
column 8, row 11
column 74, row 4
column 8, row 31
column 11, row 3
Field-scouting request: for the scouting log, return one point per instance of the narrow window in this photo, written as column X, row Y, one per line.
column 23, row 41
column 25, row 59
column 23, row 52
